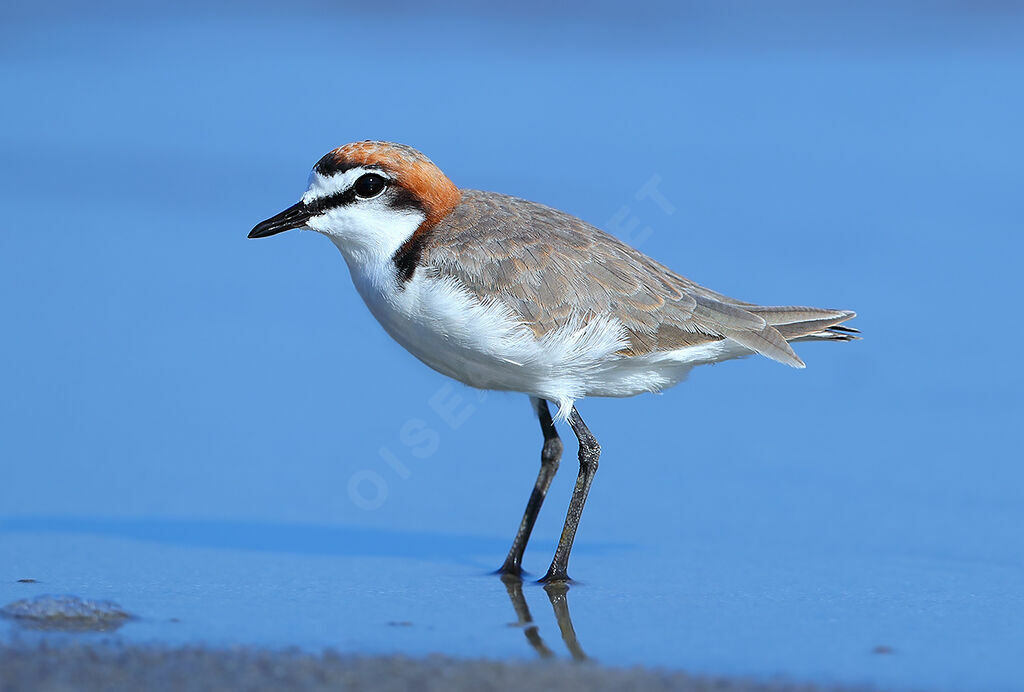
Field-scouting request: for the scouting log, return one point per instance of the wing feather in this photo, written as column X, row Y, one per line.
column 549, row 267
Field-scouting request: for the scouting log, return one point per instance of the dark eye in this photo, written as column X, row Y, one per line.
column 370, row 185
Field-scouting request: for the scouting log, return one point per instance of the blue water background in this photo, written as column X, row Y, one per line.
column 215, row 433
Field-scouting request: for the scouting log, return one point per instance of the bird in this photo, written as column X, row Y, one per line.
column 501, row 293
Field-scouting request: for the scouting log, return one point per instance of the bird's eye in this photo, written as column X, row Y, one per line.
column 370, row 185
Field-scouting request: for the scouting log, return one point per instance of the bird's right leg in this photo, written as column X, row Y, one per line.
column 550, row 455
column 590, row 451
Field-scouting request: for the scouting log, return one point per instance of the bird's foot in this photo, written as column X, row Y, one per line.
column 510, row 571
column 556, row 577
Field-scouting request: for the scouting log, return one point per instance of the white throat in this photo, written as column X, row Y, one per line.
column 368, row 235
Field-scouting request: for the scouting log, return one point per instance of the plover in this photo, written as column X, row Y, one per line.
column 505, row 294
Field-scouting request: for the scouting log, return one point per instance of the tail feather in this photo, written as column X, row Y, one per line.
column 808, row 324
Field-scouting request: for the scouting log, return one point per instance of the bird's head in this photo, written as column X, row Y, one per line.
column 369, row 198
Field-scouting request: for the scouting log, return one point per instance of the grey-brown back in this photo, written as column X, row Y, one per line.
column 548, row 266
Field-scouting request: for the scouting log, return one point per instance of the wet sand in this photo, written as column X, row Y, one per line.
column 112, row 667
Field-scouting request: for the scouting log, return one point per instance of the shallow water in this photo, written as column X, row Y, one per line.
column 827, row 614
column 214, row 434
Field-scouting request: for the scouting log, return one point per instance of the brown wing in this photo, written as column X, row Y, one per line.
column 548, row 266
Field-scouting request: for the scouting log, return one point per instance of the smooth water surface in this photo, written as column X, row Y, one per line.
column 215, row 434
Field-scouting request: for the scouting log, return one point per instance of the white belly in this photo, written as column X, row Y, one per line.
column 482, row 344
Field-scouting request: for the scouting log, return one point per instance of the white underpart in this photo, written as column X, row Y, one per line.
column 483, row 345
column 481, row 342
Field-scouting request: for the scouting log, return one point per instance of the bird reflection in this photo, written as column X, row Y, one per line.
column 557, row 594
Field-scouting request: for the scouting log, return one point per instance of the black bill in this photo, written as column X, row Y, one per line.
column 292, row 217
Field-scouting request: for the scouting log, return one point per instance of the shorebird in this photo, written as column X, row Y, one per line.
column 506, row 294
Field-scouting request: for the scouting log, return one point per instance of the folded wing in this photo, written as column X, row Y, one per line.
column 547, row 266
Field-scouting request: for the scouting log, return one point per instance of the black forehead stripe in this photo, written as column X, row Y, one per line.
column 329, row 165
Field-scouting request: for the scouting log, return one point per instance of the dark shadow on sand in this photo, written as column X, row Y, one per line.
column 301, row 539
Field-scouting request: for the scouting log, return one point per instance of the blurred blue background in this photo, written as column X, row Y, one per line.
column 215, row 430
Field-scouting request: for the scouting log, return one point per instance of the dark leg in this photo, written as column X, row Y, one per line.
column 589, row 453
column 549, row 457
